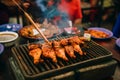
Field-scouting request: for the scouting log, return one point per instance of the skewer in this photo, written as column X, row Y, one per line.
column 30, row 19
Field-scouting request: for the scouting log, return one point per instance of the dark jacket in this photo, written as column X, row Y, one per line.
column 4, row 16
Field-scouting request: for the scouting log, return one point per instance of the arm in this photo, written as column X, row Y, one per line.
column 78, row 15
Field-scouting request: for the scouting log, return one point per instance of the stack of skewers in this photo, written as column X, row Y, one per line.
column 57, row 49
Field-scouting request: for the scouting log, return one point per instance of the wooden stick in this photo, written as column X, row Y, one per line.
column 30, row 19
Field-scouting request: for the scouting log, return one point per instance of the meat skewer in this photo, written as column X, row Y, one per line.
column 36, row 54
column 59, row 50
column 49, row 52
column 75, row 42
column 70, row 51
column 68, row 48
column 77, row 48
column 33, row 46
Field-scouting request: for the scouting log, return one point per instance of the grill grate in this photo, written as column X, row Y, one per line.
column 94, row 54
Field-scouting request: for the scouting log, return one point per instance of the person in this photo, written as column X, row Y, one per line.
column 57, row 10
column 89, row 14
column 116, row 27
column 73, row 9
column 4, row 17
column 8, row 8
column 107, row 12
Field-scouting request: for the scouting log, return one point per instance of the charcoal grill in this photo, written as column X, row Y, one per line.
column 94, row 54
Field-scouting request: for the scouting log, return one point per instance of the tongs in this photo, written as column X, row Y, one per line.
column 32, row 22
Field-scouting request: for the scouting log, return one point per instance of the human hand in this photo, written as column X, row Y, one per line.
column 77, row 22
column 26, row 5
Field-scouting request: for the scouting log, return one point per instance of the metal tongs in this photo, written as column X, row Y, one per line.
column 32, row 22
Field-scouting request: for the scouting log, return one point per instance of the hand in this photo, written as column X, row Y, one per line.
column 26, row 5
column 77, row 22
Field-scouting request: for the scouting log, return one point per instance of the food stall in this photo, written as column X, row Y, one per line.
column 34, row 53
column 101, row 56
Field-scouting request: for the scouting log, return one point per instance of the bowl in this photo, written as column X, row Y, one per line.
column 8, row 38
column 31, row 33
column 118, row 42
column 103, row 30
column 1, row 48
column 10, row 27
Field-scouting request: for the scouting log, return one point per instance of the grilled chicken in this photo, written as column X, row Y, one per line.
column 76, row 40
column 59, row 50
column 36, row 54
column 33, row 46
column 49, row 52
column 75, row 43
column 64, row 42
column 77, row 48
column 70, row 51
column 68, row 48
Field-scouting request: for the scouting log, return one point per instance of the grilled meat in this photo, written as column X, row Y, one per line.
column 33, row 46
column 97, row 33
column 70, row 51
column 64, row 42
column 48, row 52
column 36, row 54
column 76, row 40
column 77, row 48
column 75, row 43
column 68, row 48
column 59, row 50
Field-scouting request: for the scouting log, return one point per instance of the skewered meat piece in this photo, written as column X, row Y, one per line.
column 77, row 48
column 36, row 54
column 83, row 38
column 68, row 48
column 57, row 49
column 33, row 46
column 75, row 43
column 49, row 52
column 76, row 40
column 70, row 51
column 60, row 51
column 64, row 42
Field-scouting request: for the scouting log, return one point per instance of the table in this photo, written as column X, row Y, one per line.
column 111, row 46
column 4, row 71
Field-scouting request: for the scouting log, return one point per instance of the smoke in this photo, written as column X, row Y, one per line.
column 52, row 11
column 41, row 4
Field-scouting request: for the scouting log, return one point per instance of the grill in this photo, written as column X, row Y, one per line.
column 94, row 54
